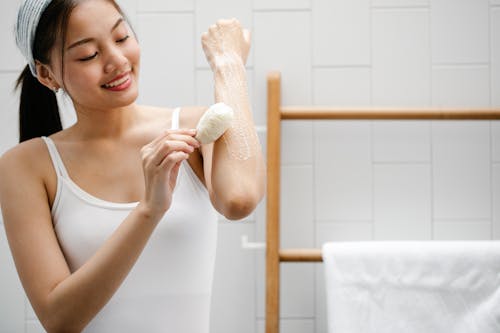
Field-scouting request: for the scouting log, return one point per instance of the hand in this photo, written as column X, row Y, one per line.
column 161, row 160
column 224, row 42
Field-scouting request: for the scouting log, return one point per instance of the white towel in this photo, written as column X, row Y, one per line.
column 413, row 287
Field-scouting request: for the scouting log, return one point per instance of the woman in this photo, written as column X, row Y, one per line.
column 111, row 221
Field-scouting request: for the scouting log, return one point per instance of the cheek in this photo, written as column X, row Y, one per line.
column 134, row 52
column 78, row 80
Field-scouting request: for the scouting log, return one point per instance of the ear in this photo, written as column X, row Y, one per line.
column 46, row 76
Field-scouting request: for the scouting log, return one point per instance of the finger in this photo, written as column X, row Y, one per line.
column 170, row 161
column 204, row 38
column 164, row 135
column 168, row 148
column 213, row 29
column 174, row 172
column 174, row 142
column 247, row 35
column 189, row 139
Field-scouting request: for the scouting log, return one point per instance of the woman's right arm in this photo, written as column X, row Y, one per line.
column 65, row 301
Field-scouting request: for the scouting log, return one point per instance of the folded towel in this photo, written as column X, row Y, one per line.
column 413, row 287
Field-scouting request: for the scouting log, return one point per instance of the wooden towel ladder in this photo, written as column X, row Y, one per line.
column 275, row 113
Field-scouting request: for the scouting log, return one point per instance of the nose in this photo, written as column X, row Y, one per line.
column 115, row 60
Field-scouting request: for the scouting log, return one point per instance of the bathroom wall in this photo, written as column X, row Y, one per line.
column 341, row 180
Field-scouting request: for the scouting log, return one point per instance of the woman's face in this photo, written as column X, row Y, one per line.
column 101, row 58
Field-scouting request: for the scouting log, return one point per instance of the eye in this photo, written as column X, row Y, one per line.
column 121, row 40
column 89, row 57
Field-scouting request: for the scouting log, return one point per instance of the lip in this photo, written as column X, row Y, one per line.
column 121, row 86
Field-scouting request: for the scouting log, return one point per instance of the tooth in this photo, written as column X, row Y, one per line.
column 116, row 83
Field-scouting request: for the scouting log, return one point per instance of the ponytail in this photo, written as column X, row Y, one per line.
column 38, row 110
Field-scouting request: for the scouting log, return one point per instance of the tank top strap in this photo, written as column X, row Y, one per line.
column 175, row 118
column 55, row 157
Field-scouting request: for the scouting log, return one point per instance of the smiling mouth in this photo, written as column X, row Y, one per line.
column 118, row 82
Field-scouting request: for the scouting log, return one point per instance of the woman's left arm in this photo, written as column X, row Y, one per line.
column 233, row 165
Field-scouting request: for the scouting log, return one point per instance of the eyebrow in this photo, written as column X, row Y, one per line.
column 87, row 40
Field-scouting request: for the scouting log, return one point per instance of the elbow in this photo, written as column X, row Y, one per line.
column 53, row 323
column 57, row 326
column 239, row 205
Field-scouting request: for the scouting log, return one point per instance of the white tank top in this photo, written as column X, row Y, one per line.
column 169, row 287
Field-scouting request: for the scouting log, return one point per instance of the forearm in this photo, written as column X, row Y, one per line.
column 73, row 303
column 238, row 167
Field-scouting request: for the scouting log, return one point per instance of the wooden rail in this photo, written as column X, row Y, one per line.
column 275, row 113
column 316, row 113
column 300, row 255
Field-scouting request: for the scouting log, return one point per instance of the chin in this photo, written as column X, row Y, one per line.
column 124, row 99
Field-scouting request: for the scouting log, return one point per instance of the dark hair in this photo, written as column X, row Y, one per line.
column 38, row 109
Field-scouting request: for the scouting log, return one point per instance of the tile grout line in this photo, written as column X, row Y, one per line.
column 490, row 51
column 313, row 157
column 492, row 177
column 256, row 261
column 372, row 152
column 431, row 127
column 431, row 171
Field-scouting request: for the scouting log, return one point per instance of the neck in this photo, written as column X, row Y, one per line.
column 105, row 124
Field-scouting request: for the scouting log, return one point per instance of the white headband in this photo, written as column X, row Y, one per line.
column 27, row 21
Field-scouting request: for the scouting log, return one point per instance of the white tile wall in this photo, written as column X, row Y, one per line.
column 459, row 31
column 281, row 4
column 209, row 11
column 297, row 206
column 495, row 55
column 290, row 326
column 129, row 7
column 10, row 57
column 204, row 87
column 343, row 231
column 34, row 327
column 400, row 3
column 401, row 141
column 12, row 299
column 165, row 5
column 297, row 289
column 470, row 230
column 401, row 60
column 297, row 142
column 402, row 205
column 343, row 170
column 496, row 201
column 344, row 86
column 461, row 170
column 495, row 141
column 286, row 47
column 297, row 231
column 342, row 180
column 460, row 86
column 167, row 75
column 341, row 32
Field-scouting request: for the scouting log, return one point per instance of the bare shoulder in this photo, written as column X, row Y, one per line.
column 24, row 170
column 26, row 157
